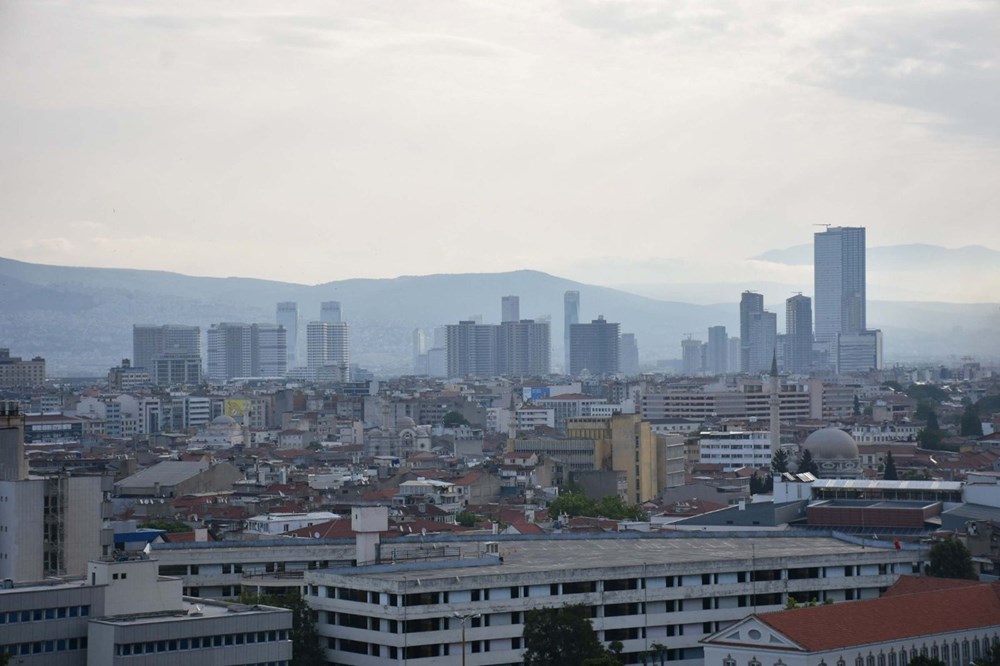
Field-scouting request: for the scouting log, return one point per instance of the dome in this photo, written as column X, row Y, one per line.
column 831, row 444
column 224, row 421
column 405, row 422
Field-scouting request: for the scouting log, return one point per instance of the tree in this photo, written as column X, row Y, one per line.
column 555, row 636
column 923, row 660
column 466, row 518
column 992, row 656
column 951, row 559
column 614, row 507
column 857, row 405
column 779, row 462
column 306, row 650
column 167, row 525
column 807, row 464
column 452, row 419
column 890, row 473
column 932, row 420
column 572, row 504
column 971, row 425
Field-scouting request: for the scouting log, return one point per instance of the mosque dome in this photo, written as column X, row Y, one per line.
column 224, row 421
column 405, row 422
column 831, row 444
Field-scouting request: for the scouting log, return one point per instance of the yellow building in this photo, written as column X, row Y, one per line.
column 625, row 443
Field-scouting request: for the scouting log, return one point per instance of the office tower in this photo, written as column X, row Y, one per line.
column 717, row 353
column 246, row 350
column 859, row 353
column 798, row 334
column 270, row 350
column 524, row 348
column 594, row 347
column 288, row 316
column 179, row 346
column 628, row 354
column 751, row 303
column 419, row 339
column 763, row 333
column 328, row 346
column 691, row 357
column 510, row 308
column 329, row 312
column 839, row 274
column 734, row 347
column 571, row 316
column 472, row 349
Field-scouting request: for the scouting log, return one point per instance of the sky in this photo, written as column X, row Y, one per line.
column 609, row 141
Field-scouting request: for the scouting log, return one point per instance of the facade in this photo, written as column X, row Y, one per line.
column 672, row 591
column 594, row 348
column 510, row 309
column 571, row 316
column 736, row 449
column 763, row 342
column 751, row 303
column 330, row 312
column 625, row 443
column 798, row 334
column 839, row 265
column 523, row 348
column 246, row 350
column 170, row 369
column 955, row 622
column 271, row 351
column 717, row 353
column 287, row 316
column 328, row 346
column 745, row 400
column 18, row 373
column 691, row 364
column 150, row 342
column 472, row 349
column 859, row 353
column 628, row 354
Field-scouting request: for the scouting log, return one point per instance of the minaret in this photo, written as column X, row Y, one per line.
column 775, row 403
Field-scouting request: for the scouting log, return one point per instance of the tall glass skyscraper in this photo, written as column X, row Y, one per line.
column 839, row 274
column 571, row 315
column 798, row 334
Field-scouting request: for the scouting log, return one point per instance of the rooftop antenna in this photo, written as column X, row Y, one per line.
column 822, row 225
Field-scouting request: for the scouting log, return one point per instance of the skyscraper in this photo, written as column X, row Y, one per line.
column 510, row 309
column 798, row 334
column 763, row 341
column 571, row 316
column 328, row 345
column 246, row 350
column 690, row 357
column 839, row 274
column 594, row 348
column 524, row 348
column 288, row 316
column 751, row 303
column 718, row 350
column 180, row 344
column 329, row 312
column 628, row 354
column 472, row 349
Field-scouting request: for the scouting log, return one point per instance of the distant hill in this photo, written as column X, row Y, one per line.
column 81, row 319
column 899, row 257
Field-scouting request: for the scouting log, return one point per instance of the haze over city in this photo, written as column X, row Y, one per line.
column 617, row 143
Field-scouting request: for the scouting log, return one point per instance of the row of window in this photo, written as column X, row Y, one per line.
column 41, row 647
column 200, row 642
column 41, row 614
column 953, row 654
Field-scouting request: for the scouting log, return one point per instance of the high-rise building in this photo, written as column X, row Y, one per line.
column 751, row 303
column 246, row 350
column 798, row 334
column 472, row 349
column 288, row 316
column 717, row 353
column 152, row 342
column 328, row 346
column 594, row 347
column 839, row 274
column 524, row 348
column 735, row 346
column 691, row 357
column 510, row 309
column 859, row 353
column 329, row 312
column 420, row 365
column 628, row 354
column 571, row 316
column 763, row 341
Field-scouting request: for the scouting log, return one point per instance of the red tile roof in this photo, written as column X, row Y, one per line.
column 892, row 617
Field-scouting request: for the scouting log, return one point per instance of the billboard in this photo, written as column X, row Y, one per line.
column 237, row 408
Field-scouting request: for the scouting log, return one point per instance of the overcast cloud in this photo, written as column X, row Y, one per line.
column 313, row 141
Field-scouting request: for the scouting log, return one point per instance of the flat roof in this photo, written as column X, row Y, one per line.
column 192, row 609
column 558, row 555
column 863, row 484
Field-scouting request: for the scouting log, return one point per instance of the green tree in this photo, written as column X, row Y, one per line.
column 556, row 636
column 572, row 504
column 779, row 461
column 951, row 559
column 466, row 519
column 923, row 660
column 167, row 525
column 452, row 419
column 890, row 473
column 971, row 424
column 306, row 650
column 857, row 406
column 927, row 392
column 614, row 507
column 992, row 656
column 932, row 421
column 807, row 464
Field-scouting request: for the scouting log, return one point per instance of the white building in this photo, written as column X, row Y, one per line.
column 279, row 523
column 736, row 448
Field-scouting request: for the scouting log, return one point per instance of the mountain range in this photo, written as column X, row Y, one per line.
column 80, row 319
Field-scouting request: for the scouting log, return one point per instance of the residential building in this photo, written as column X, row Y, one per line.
column 328, row 346
column 691, row 364
column 510, row 309
column 735, row 449
column 717, row 353
column 628, row 354
column 287, row 316
column 150, row 342
column 594, row 348
column 523, row 348
column 472, row 349
column 18, row 373
column 625, row 443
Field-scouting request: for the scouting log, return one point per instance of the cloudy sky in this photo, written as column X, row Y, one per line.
column 313, row 141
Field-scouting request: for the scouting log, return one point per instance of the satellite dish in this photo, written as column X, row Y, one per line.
column 315, row 535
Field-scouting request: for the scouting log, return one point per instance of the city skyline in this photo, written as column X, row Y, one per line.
column 172, row 131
